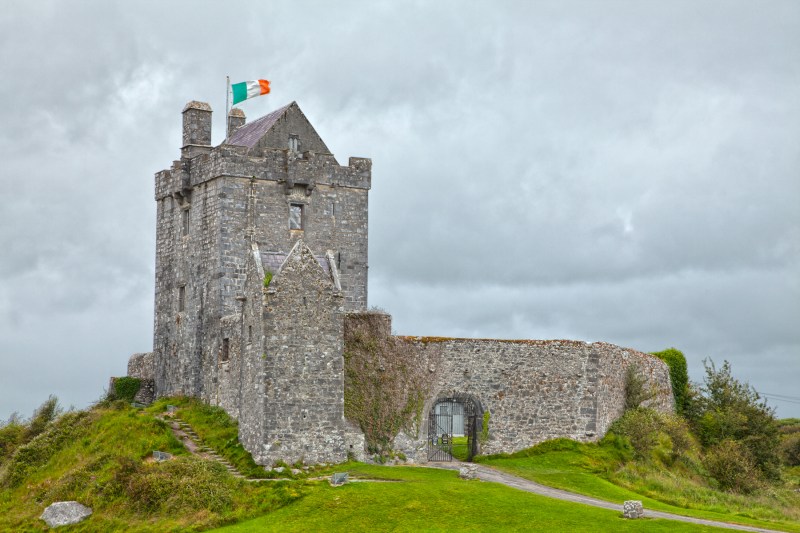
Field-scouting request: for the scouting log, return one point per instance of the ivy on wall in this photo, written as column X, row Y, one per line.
column 125, row 388
column 386, row 380
column 678, row 375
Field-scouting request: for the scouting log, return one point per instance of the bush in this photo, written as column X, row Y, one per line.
column 46, row 413
column 678, row 375
column 790, row 449
column 641, row 427
column 12, row 435
column 733, row 467
column 636, row 390
column 727, row 409
column 655, row 436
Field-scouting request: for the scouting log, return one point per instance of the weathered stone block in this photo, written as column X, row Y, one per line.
column 632, row 509
column 65, row 513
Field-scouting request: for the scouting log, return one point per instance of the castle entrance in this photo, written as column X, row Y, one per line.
column 452, row 429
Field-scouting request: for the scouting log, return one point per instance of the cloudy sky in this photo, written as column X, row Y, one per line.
column 619, row 171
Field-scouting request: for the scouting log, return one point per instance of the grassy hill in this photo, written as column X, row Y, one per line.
column 103, row 458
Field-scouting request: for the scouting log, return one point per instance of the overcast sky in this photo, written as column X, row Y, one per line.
column 619, row 171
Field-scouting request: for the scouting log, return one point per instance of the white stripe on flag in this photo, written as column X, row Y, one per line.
column 253, row 89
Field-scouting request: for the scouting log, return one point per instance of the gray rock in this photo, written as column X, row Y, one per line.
column 632, row 509
column 278, row 469
column 65, row 513
column 468, row 471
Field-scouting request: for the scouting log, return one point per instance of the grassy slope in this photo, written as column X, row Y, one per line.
column 103, row 463
column 437, row 500
column 100, row 458
column 589, row 469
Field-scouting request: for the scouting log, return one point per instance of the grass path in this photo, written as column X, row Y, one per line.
column 486, row 473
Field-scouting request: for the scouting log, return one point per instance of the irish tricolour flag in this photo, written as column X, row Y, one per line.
column 248, row 89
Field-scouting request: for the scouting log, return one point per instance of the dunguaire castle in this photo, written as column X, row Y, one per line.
column 262, row 261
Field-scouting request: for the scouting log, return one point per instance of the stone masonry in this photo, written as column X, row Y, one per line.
column 535, row 390
column 261, row 252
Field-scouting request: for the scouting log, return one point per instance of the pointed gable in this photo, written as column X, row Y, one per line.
column 273, row 131
column 301, row 261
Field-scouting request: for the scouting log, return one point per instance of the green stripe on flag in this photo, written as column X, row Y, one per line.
column 239, row 91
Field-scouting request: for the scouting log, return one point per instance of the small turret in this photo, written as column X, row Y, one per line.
column 196, row 129
column 236, row 120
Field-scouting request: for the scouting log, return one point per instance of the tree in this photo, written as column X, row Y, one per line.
column 724, row 408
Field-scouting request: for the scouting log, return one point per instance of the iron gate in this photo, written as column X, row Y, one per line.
column 452, row 428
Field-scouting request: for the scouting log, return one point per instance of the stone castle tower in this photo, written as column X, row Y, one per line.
column 261, row 249
column 261, row 259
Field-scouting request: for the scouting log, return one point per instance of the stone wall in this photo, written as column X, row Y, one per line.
column 140, row 365
column 535, row 390
column 304, row 366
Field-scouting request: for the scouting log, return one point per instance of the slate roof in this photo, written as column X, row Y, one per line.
column 249, row 134
column 272, row 261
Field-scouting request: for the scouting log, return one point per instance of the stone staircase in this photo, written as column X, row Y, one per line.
column 186, row 434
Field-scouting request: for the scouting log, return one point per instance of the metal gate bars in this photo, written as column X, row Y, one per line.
column 452, row 429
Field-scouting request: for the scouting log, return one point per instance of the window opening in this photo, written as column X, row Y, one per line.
column 296, row 216
column 249, row 333
column 185, row 221
column 294, row 143
column 181, row 298
column 226, row 350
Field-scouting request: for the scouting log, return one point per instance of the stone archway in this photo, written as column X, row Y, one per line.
column 454, row 423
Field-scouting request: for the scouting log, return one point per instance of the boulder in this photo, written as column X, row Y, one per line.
column 65, row 513
column 632, row 509
column 468, row 471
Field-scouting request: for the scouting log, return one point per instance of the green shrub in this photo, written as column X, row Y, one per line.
column 678, row 375
column 641, row 427
column 727, row 409
column 125, row 388
column 46, row 413
column 790, row 449
column 12, row 435
column 683, row 443
column 636, row 390
column 732, row 466
column 267, row 278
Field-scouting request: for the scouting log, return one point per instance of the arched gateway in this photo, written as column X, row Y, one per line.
column 454, row 423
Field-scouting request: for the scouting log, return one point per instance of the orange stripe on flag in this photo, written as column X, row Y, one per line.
column 264, row 86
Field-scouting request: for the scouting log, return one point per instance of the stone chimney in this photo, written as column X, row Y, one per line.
column 236, row 120
column 196, row 129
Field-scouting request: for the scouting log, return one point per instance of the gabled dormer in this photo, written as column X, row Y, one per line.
column 286, row 128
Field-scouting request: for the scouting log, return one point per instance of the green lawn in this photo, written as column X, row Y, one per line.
column 425, row 499
column 588, row 469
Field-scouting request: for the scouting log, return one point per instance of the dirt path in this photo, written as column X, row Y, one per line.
column 486, row 473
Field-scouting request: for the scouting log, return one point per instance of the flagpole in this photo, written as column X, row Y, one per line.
column 227, row 108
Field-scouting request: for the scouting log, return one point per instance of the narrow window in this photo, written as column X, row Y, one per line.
column 294, row 143
column 249, row 333
column 181, row 298
column 295, row 216
column 226, row 350
column 185, row 221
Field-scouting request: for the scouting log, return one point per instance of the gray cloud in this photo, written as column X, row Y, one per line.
column 625, row 172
